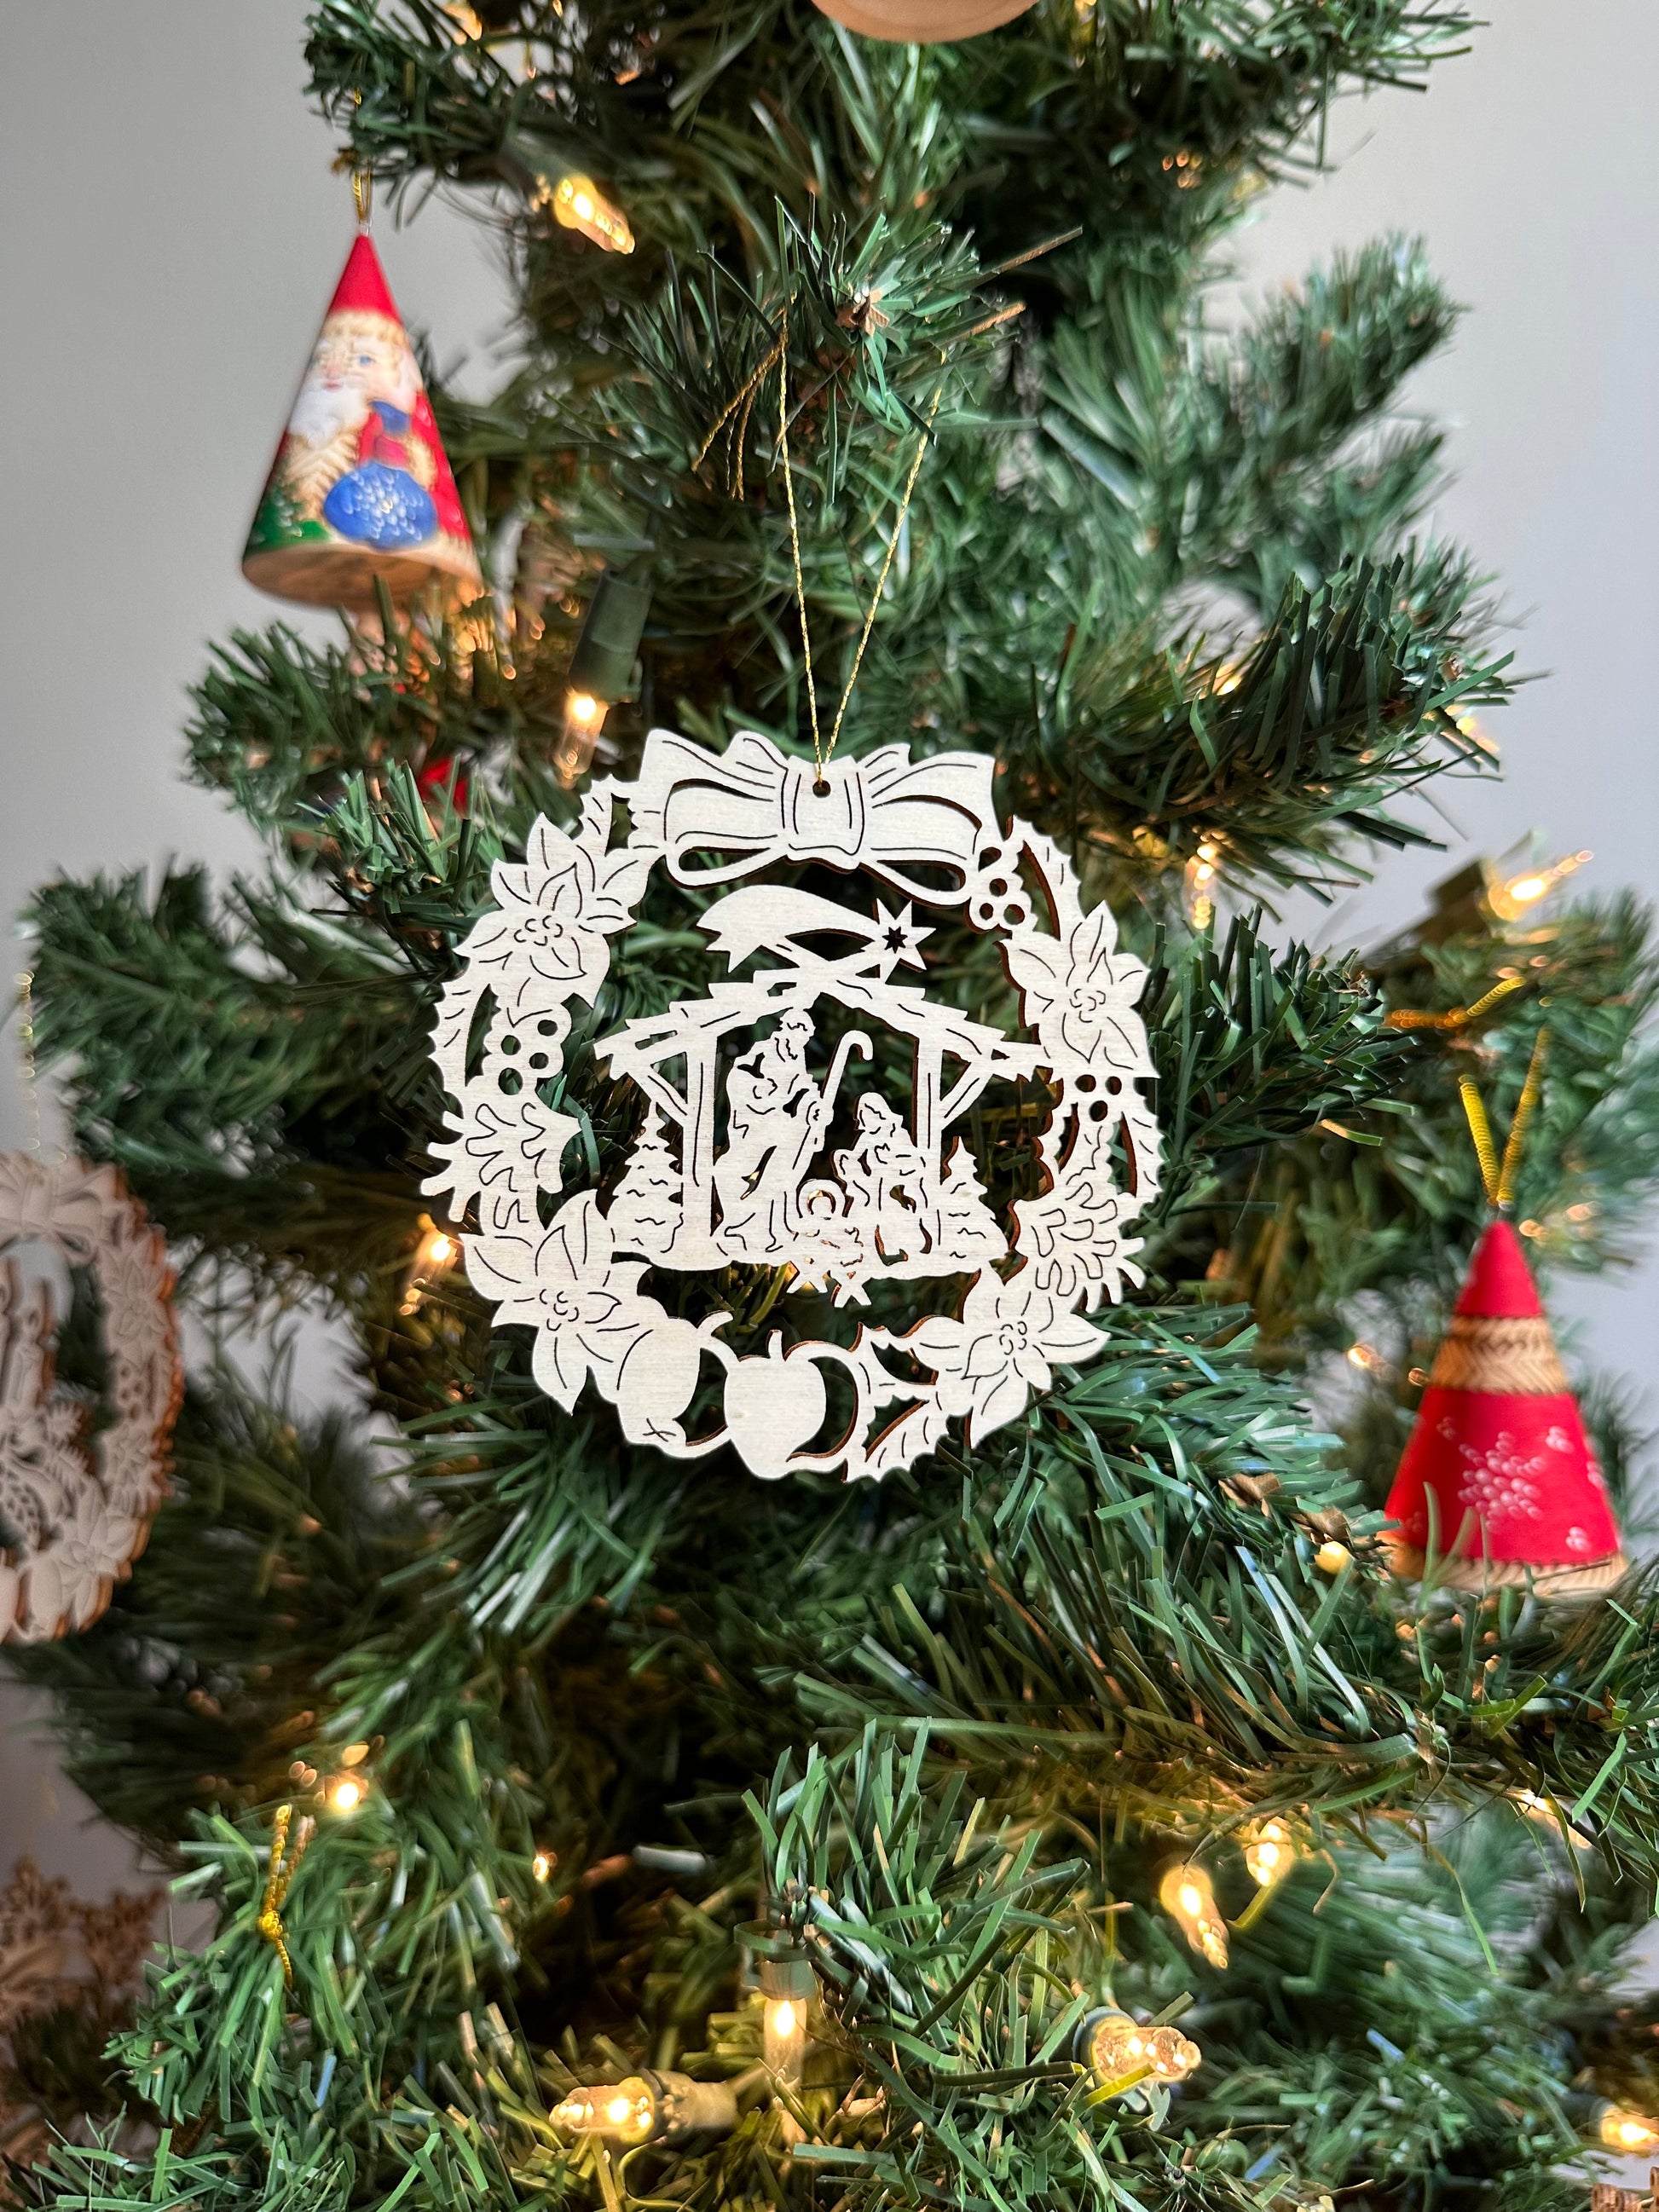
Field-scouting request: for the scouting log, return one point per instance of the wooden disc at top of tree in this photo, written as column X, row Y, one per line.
column 923, row 23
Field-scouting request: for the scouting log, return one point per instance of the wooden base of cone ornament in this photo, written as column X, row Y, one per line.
column 1498, row 1479
column 77, row 1505
column 361, row 493
column 923, row 23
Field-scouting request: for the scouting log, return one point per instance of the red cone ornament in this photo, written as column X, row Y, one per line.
column 1498, row 1475
column 360, row 490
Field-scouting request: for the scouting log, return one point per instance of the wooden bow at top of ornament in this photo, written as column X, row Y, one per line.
column 716, row 818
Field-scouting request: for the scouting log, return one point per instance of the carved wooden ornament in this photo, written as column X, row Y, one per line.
column 76, row 1504
column 766, row 1141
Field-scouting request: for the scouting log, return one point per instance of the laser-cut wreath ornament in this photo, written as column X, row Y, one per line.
column 737, row 1162
column 76, row 1505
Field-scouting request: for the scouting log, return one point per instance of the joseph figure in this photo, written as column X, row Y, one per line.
column 775, row 1116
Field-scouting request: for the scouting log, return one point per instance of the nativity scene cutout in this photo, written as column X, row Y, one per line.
column 755, row 1174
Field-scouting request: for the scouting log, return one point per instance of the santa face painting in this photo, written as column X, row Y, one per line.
column 360, row 502
column 354, row 458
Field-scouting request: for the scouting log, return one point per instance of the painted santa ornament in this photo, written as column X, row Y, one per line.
column 361, row 492
column 80, row 1476
column 805, row 1130
column 1498, row 1481
column 923, row 23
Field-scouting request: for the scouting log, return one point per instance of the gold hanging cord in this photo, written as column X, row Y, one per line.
column 1457, row 1018
column 1497, row 1176
column 25, row 981
column 278, row 1880
column 745, row 400
column 794, row 536
column 363, row 179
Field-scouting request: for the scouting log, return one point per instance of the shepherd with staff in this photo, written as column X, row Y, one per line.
column 776, row 1117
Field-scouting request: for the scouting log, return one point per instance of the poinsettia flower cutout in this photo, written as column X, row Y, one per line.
column 546, row 942
column 1003, row 1348
column 584, row 1304
column 1079, row 995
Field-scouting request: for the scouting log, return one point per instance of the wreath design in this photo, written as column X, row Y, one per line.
column 902, row 1199
column 75, row 1506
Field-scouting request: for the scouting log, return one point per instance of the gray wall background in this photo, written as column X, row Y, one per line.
column 171, row 234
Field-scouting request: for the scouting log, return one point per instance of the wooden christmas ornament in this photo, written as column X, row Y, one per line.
column 768, row 1138
column 1498, row 1478
column 76, row 1500
column 361, row 491
column 923, row 23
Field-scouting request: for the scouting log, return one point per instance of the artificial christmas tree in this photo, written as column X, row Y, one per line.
column 682, row 1837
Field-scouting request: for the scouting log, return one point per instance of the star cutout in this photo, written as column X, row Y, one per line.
column 898, row 937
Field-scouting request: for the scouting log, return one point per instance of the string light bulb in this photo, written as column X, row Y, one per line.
column 1123, row 2054
column 1186, row 1895
column 1331, row 1557
column 1200, row 874
column 1369, row 1360
column 584, row 718
column 436, row 1253
column 1270, row 1853
column 602, row 667
column 622, row 2112
column 1510, row 900
column 1468, row 726
column 1621, row 2129
column 542, row 1866
column 579, row 205
column 666, row 2108
column 345, row 1793
column 787, row 1986
column 1542, row 1810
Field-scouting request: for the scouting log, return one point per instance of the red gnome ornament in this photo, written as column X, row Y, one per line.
column 1498, row 1475
column 361, row 491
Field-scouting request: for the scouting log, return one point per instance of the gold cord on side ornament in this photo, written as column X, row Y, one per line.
column 279, row 1879
column 1455, row 1018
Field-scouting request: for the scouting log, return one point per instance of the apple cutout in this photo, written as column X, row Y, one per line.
column 775, row 1407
